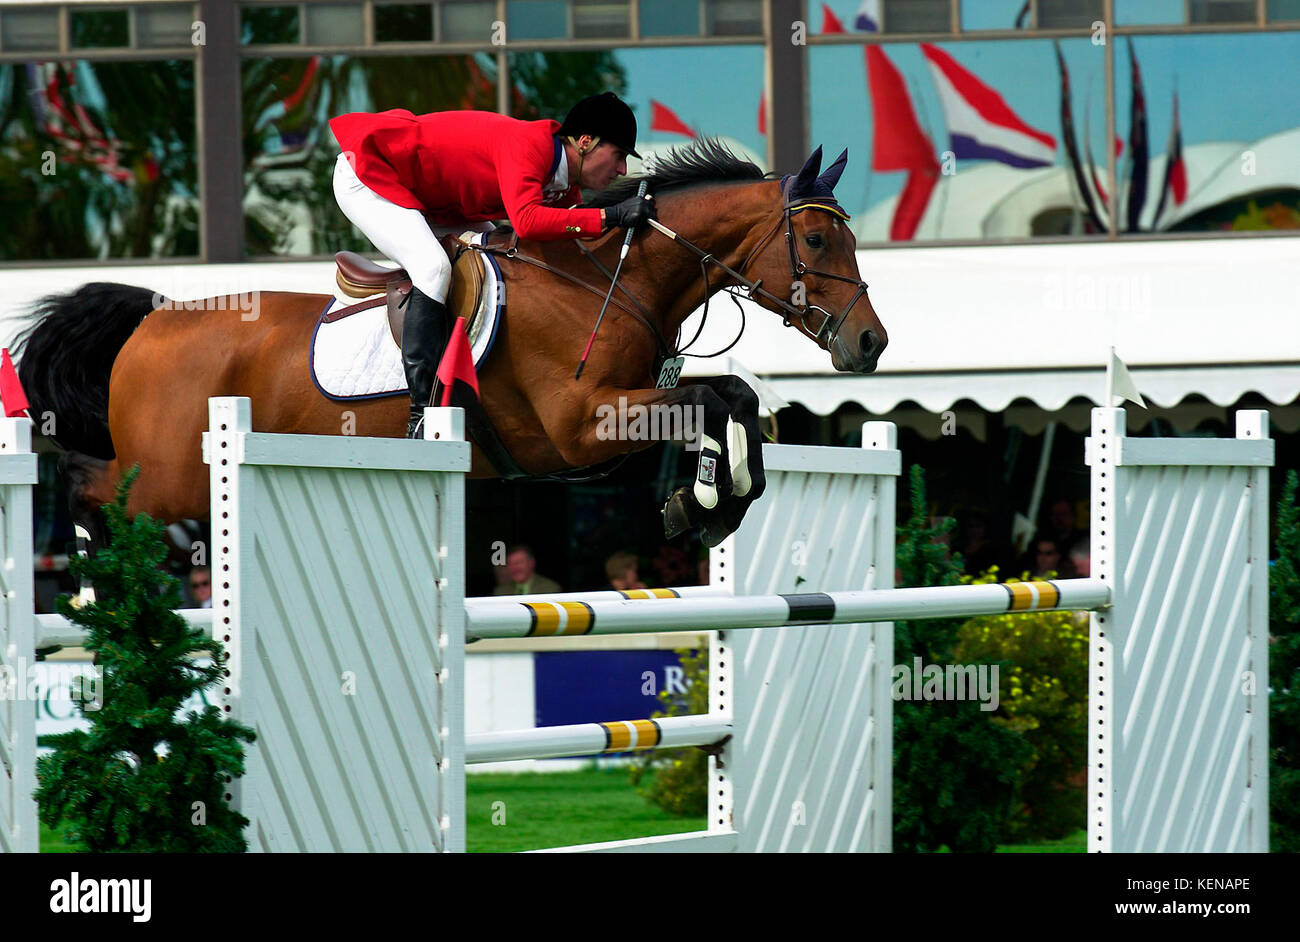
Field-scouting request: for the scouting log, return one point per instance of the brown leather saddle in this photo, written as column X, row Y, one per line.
column 358, row 277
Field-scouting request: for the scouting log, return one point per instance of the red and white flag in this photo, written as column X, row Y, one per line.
column 898, row 143
column 981, row 125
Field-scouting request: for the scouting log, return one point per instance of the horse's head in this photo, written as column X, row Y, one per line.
column 811, row 250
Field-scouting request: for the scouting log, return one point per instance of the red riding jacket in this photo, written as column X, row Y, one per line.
column 466, row 166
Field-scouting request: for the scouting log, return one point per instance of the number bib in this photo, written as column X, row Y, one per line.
column 670, row 373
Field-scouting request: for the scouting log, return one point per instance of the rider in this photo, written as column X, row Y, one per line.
column 405, row 179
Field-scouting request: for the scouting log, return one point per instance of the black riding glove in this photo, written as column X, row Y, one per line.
column 631, row 212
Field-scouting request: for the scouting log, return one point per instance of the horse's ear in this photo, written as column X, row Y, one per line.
column 803, row 181
column 832, row 174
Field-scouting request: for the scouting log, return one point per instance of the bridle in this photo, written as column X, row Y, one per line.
column 829, row 328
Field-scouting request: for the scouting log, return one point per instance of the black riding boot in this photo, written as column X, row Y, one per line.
column 424, row 333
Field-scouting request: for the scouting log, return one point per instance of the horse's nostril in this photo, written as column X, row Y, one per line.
column 868, row 343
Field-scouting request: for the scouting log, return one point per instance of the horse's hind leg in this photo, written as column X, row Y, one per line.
column 88, row 482
column 89, row 488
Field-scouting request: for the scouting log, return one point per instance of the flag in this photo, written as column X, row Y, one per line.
column 912, row 203
column 1119, row 382
column 11, row 388
column 898, row 143
column 1175, row 181
column 662, row 118
column 868, row 17
column 981, row 125
column 762, row 112
column 1071, row 145
column 830, row 22
column 1138, row 151
column 457, row 363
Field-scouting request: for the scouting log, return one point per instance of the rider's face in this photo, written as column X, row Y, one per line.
column 602, row 165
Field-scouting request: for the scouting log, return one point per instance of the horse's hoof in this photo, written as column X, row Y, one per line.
column 712, row 533
column 677, row 517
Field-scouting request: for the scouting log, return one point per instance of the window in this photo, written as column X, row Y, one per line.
column 997, row 14
column 598, row 19
column 1222, row 11
column 164, row 25
column 1280, row 11
column 537, row 19
column 917, row 16
column 467, row 21
column 1066, row 14
column 670, row 18
column 1150, row 12
column 29, row 30
column 335, row 23
column 403, row 22
column 100, row 29
column 268, row 25
column 735, row 18
column 99, row 160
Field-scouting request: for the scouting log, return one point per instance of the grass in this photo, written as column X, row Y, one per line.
column 529, row 811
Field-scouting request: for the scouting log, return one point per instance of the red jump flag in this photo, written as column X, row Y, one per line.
column 457, row 363
column 11, row 389
column 662, row 118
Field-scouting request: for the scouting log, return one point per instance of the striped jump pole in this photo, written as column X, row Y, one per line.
column 548, row 619
column 57, row 631
column 589, row 739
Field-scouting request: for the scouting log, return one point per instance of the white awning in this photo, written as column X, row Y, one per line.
column 1051, row 390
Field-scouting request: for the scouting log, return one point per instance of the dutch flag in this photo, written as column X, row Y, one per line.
column 981, row 126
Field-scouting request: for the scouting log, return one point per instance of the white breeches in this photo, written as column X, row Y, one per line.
column 402, row 234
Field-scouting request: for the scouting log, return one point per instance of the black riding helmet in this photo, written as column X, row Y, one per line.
column 605, row 116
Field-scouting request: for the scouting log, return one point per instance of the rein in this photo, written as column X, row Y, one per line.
column 512, row 251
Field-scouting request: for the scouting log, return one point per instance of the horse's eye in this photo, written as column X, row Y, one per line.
column 815, row 240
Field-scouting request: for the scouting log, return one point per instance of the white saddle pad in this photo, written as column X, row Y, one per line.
column 356, row 357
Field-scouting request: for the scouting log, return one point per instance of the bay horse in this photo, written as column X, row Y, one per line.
column 128, row 382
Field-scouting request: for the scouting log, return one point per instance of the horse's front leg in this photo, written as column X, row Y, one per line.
column 745, row 453
column 616, row 421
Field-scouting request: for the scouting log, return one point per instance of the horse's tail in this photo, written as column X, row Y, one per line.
column 66, row 357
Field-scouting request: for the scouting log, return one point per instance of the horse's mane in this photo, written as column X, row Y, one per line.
column 704, row 160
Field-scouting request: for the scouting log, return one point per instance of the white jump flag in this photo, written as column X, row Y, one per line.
column 1119, row 383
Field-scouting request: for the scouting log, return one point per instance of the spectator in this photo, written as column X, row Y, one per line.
column 1081, row 558
column 521, row 567
column 201, row 587
column 621, row 568
column 1049, row 560
column 978, row 552
column 672, row 567
column 1061, row 525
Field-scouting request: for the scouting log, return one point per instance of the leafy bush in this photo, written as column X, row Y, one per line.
column 676, row 780
column 1043, row 660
